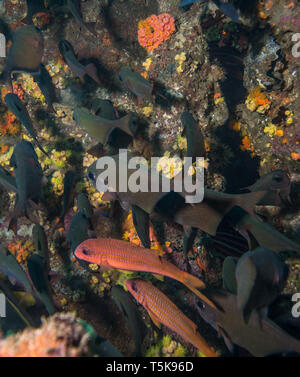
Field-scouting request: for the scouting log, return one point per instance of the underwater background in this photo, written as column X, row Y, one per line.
column 212, row 79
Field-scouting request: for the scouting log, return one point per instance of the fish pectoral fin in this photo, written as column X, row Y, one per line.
column 154, row 319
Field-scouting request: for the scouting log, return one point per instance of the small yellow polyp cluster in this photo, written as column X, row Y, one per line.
column 270, row 129
column 180, row 59
column 147, row 110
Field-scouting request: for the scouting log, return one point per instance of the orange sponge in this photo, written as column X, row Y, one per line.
column 155, row 30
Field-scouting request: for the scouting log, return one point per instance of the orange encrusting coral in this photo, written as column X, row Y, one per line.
column 258, row 101
column 21, row 250
column 7, row 125
column 260, row 98
column 246, row 144
column 131, row 235
column 7, row 119
column 295, row 156
column 154, row 30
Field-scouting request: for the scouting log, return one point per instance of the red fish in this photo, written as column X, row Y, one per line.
column 162, row 310
column 122, row 255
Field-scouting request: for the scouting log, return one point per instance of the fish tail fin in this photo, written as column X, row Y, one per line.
column 91, row 70
column 193, row 283
column 249, row 200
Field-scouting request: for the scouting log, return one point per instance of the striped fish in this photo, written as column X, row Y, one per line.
column 121, row 255
column 163, row 311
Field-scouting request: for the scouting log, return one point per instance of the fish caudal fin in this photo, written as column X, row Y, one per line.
column 193, row 283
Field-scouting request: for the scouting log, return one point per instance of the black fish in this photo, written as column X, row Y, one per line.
column 130, row 312
column 260, row 276
column 38, row 273
column 277, row 185
column 16, row 106
column 260, row 336
column 25, row 53
column 70, row 181
column 44, row 81
column 28, row 173
column 85, row 207
column 40, row 243
column 228, row 274
column 194, row 137
column 78, row 230
column 77, row 68
column 264, row 234
column 10, row 267
column 141, row 223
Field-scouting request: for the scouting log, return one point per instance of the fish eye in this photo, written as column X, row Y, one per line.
column 277, row 178
column 120, row 78
column 201, row 305
column 85, row 252
column 91, row 176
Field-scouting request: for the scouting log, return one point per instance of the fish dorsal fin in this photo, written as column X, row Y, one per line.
column 154, row 319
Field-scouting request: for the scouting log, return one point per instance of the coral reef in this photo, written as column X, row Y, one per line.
column 240, row 81
column 62, row 335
